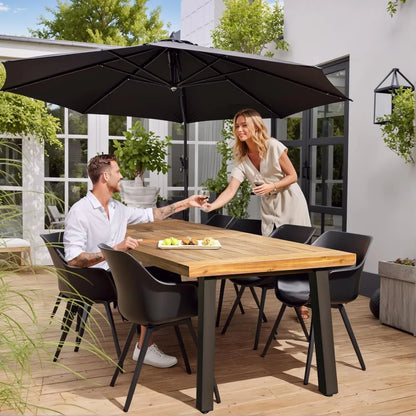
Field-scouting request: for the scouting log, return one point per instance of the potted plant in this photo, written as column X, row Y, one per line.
column 140, row 151
column 238, row 206
column 398, row 129
column 398, row 294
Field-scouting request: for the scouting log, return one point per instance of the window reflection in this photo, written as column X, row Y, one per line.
column 326, row 185
column 11, row 161
column 55, row 160
column 78, row 154
column 294, row 154
column 77, row 122
column 11, row 223
column 289, row 128
column 328, row 120
column 58, row 112
column 76, row 191
column 116, row 125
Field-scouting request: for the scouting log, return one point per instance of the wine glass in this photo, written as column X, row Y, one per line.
column 205, row 193
column 258, row 180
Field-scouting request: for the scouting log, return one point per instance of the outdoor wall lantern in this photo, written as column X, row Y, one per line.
column 385, row 90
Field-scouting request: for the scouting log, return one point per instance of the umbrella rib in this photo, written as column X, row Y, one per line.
column 251, row 67
column 90, row 107
column 141, row 68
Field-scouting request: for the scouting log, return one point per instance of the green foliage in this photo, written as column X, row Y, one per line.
column 141, row 151
column 392, row 6
column 250, row 26
column 398, row 129
column 18, row 342
column 406, row 261
column 239, row 204
column 111, row 22
column 24, row 116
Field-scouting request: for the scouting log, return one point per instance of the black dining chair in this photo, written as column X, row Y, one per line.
column 220, row 220
column 288, row 232
column 247, row 225
column 146, row 301
column 344, row 282
column 81, row 287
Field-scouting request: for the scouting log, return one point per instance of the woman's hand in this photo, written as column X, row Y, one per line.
column 264, row 188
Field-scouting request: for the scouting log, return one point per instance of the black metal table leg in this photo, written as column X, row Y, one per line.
column 206, row 344
column 324, row 339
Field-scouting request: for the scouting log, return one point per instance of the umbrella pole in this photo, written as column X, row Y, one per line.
column 185, row 168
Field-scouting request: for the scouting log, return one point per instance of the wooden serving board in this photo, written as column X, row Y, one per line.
column 181, row 246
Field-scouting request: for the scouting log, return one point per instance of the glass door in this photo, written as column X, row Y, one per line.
column 318, row 147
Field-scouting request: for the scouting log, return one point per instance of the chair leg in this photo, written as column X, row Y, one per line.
column 194, row 337
column 183, row 350
column 347, row 324
column 85, row 310
column 309, row 355
column 260, row 317
column 220, row 300
column 240, row 305
column 235, row 304
column 138, row 368
column 113, row 327
column 256, row 299
column 122, row 357
column 301, row 321
column 70, row 311
column 274, row 329
column 57, row 303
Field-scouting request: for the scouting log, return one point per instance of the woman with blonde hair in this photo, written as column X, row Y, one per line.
column 264, row 162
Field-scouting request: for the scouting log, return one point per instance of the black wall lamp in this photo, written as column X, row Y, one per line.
column 385, row 90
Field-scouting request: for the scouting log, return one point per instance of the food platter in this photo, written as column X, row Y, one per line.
column 182, row 246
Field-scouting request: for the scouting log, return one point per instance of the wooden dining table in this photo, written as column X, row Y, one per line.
column 242, row 255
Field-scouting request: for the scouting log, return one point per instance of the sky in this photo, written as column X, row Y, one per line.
column 16, row 16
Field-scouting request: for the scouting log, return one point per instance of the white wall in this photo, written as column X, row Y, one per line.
column 381, row 186
column 198, row 19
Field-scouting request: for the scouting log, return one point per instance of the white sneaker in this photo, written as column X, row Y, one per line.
column 155, row 357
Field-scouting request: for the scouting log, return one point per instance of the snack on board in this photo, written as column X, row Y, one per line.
column 208, row 241
column 189, row 241
column 171, row 241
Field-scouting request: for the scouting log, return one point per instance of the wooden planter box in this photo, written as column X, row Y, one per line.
column 398, row 295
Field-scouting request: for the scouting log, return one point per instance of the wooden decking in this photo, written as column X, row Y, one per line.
column 248, row 383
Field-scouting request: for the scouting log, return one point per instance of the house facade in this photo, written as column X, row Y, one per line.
column 351, row 179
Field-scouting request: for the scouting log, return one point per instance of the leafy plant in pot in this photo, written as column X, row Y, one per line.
column 141, row 151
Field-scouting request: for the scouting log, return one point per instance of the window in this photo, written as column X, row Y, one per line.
column 66, row 179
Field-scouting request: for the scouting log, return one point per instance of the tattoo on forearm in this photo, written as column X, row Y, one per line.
column 87, row 259
column 164, row 212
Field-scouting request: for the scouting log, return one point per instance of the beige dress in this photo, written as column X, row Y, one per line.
column 285, row 206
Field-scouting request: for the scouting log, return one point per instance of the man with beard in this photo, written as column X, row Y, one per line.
column 98, row 218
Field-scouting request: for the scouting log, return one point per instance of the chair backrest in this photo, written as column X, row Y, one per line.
column 344, row 282
column 91, row 284
column 220, row 220
column 295, row 233
column 141, row 297
column 247, row 225
column 54, row 244
column 54, row 213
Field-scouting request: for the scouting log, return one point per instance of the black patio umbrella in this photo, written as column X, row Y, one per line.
column 171, row 80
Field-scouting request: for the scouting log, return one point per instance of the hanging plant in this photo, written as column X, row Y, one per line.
column 398, row 129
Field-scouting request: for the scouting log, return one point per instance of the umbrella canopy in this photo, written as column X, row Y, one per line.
column 171, row 80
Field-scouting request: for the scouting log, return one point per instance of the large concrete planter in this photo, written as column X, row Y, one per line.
column 398, row 295
column 138, row 196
